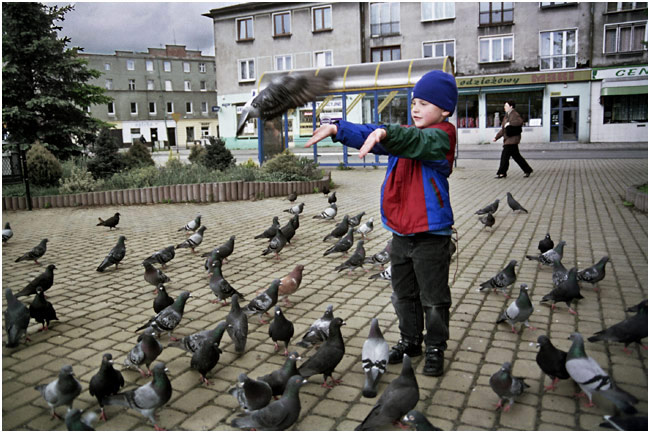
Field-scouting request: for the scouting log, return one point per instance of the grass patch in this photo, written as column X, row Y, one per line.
column 643, row 188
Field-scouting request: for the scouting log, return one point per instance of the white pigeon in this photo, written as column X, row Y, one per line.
column 374, row 356
column 365, row 228
column 7, row 233
column 328, row 214
column 383, row 275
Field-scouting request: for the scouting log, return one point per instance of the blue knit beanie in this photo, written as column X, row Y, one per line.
column 438, row 88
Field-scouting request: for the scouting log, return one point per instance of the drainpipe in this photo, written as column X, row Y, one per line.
column 362, row 27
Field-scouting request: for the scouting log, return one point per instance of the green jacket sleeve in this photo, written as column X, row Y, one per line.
column 425, row 144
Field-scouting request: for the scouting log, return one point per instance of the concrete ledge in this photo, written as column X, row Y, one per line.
column 640, row 199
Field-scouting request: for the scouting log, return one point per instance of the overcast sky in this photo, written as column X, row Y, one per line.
column 103, row 27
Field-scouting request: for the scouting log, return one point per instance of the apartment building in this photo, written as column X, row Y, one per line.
column 165, row 94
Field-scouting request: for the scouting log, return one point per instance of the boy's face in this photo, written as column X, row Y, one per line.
column 424, row 113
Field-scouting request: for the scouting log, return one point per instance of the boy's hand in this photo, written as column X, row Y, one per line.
column 375, row 137
column 323, row 132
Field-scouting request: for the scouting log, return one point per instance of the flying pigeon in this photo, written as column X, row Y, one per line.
column 193, row 225
column 44, row 280
column 277, row 379
column 514, row 205
column 356, row 259
column 170, row 317
column 519, row 311
column 162, row 300
column 194, row 240
column 35, row 253
column 282, row 94
column 293, row 196
column 290, row 284
column 399, row 397
column 206, row 357
column 332, row 198
column 221, row 288
column 146, row 398
column 551, row 360
column 319, row 330
column 224, row 250
column 7, row 233
column 507, row 386
column 163, row 256
column 276, row 245
column 295, row 210
column 491, row 208
column 502, row 279
column 328, row 355
column 144, row 352
column 382, row 257
column 251, row 394
column 631, row 330
column 416, row 419
column 339, row 230
column 487, row 220
column 281, row 329
column 62, row 391
column 264, row 301
column 271, row 231
column 115, row 256
column 365, row 228
column 16, row 319
column 549, row 256
column 328, row 214
column 356, row 220
column 374, row 357
column 595, row 273
column 42, row 310
column 343, row 244
column 546, row 244
column 586, row 372
column 193, row 342
column 560, row 273
column 567, row 291
column 383, row 275
column 107, row 381
column 154, row 276
column 237, row 322
column 110, row 222
column 76, row 421
column 625, row 423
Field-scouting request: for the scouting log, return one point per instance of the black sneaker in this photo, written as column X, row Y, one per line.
column 396, row 354
column 433, row 362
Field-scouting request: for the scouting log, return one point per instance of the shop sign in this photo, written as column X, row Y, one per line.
column 511, row 80
column 620, row 72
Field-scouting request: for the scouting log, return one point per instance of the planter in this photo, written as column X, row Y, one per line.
column 22, row 203
column 196, row 192
column 639, row 198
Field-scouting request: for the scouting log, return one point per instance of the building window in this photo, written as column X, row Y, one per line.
column 467, row 111
column 134, row 108
column 131, row 84
column 438, row 49
column 529, row 106
column 107, row 66
column 322, row 59
column 150, row 85
column 384, row 19
column 188, row 107
column 111, row 109
column 152, row 108
column 189, row 133
column 557, row 49
column 148, row 65
column 282, row 24
column 496, row 49
column 245, row 29
column 203, row 86
column 626, row 37
column 170, row 107
column 247, row 70
column 130, row 65
column 625, row 6
column 187, row 85
column 167, row 66
column 202, row 68
column 283, row 63
column 625, row 108
column 495, row 13
column 134, row 131
column 432, row 11
column 109, row 84
column 250, row 127
column 186, row 67
column 385, row 54
column 168, row 85
column 321, row 18
column 555, row 4
column 205, row 131
column 204, row 107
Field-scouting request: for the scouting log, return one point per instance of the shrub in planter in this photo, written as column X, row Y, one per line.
column 79, row 180
column 197, row 154
column 288, row 167
column 134, row 178
column 107, row 159
column 138, row 156
column 43, row 167
column 217, row 157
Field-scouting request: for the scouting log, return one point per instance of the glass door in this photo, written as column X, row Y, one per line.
column 564, row 118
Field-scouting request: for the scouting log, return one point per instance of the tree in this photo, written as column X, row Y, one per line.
column 107, row 159
column 44, row 83
column 217, row 156
column 138, row 156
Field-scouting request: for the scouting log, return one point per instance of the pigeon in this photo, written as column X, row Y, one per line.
column 224, row 250
column 365, row 228
column 514, row 204
column 383, row 275
column 328, row 355
column 630, row 330
column 16, row 319
column 146, row 398
column 374, row 357
column 110, row 222
column 107, row 381
column 193, row 225
column 567, row 291
column 281, row 329
column 325, row 189
column 356, row 220
column 356, row 259
column 237, row 322
column 502, row 279
column 560, row 273
column 382, row 257
column 144, row 352
column 487, row 220
column 546, row 244
column 282, row 94
column 343, row 244
column 277, row 379
column 162, row 300
column 399, row 397
column 290, row 284
column 507, row 386
column 193, row 342
column 332, row 198
column 278, row 415
column 276, row 245
column 170, row 317
column 251, row 394
column 154, row 276
column 295, row 221
column 328, row 214
column 416, row 419
column 595, row 273
column 221, row 288
column 491, row 208
column 163, row 256
column 7, row 233
column 271, row 231
column 591, row 378
column 212, row 261
column 519, row 311
column 115, row 256
column 551, row 360
column 293, row 196
column 295, row 210
column 206, row 357
column 264, row 301
column 75, row 421
column 339, row 230
column 35, row 253
column 41, row 310
column 549, row 256
column 194, row 240
column 627, row 423
column 289, row 230
column 319, row 330
column 62, row 391
column 44, row 280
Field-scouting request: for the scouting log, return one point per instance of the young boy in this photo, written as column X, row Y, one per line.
column 415, row 206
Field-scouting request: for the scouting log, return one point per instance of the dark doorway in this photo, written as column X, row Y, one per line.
column 564, row 118
column 171, row 136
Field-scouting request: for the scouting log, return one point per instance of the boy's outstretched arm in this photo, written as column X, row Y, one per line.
column 321, row 133
column 373, row 138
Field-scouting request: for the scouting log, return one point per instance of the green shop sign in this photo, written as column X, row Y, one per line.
column 620, row 72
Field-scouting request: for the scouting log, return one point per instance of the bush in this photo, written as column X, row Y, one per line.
column 288, row 167
column 69, row 165
column 138, row 156
column 79, row 180
column 43, row 167
column 197, row 154
column 217, row 157
column 107, row 160
column 135, row 178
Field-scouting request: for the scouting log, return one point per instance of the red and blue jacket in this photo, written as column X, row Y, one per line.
column 415, row 192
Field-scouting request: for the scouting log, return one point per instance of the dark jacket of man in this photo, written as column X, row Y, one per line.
column 515, row 122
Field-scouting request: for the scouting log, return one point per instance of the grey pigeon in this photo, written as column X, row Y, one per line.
column 194, row 240
column 44, row 280
column 162, row 300
column 356, row 220
column 35, row 253
column 193, row 225
column 567, row 292
column 591, row 378
column 212, row 261
column 237, row 322
column 545, row 244
column 295, row 221
column 487, row 220
column 110, row 222
column 328, row 355
column 382, row 257
column 332, row 198
column 356, row 260
column 343, row 244
column 328, row 214
column 631, row 330
column 271, row 231
column 551, row 360
column 295, row 210
column 625, row 423
column 549, row 256
column 507, row 386
column 42, row 310
column 502, row 279
column 224, row 250
column 289, row 229
column 163, row 256
column 366, row 228
column 146, row 398
column 7, row 233
column 206, row 357
column 154, row 276
column 340, row 229
column 560, row 273
column 170, row 317
column 491, row 208
column 276, row 245
column 417, row 420
column 281, row 329
column 251, row 394
column 293, row 196
column 278, row 379
column 374, row 357
column 399, row 397
column 144, row 352
column 16, row 319
column 519, row 311
column 193, row 342
column 319, row 330
column 115, row 256
column 264, row 301
column 386, row 274
column 221, row 287
column 62, row 391
column 107, row 381
column 279, row 414
column 514, row 204
column 76, row 421
column 595, row 273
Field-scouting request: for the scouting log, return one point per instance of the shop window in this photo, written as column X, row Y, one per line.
column 528, row 105
column 385, row 54
column 134, row 131
column 282, row 24
column 250, row 127
column 626, row 37
column 496, row 49
column 625, row 108
column 189, row 133
column 321, row 18
column 467, row 111
column 495, row 13
column 384, row 19
column 245, row 29
column 205, row 130
column 432, row 11
column 557, row 49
